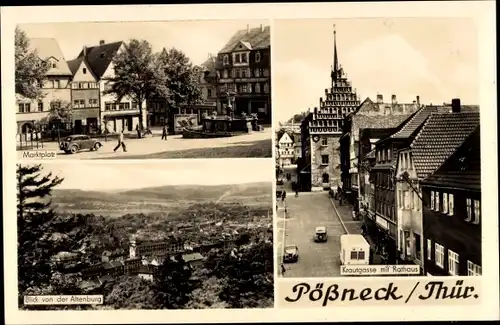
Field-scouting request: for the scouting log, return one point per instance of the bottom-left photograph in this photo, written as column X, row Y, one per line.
column 171, row 234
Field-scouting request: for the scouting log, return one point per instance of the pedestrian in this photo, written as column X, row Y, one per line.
column 283, row 270
column 164, row 133
column 138, row 131
column 120, row 143
column 296, row 193
column 283, row 196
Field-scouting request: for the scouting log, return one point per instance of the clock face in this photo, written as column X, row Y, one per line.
column 316, row 138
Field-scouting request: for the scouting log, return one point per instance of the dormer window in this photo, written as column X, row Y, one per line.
column 257, row 57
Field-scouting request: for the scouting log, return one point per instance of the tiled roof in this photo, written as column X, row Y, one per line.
column 74, row 65
column 463, row 169
column 256, row 37
column 377, row 122
column 415, row 122
column 99, row 57
column 440, row 136
column 49, row 47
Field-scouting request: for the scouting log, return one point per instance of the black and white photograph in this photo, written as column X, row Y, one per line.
column 171, row 234
column 139, row 90
column 378, row 156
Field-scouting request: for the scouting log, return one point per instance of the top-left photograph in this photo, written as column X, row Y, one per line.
column 143, row 90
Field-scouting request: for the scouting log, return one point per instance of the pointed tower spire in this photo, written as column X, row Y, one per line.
column 335, row 67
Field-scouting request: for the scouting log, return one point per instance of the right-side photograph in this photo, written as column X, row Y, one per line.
column 378, row 155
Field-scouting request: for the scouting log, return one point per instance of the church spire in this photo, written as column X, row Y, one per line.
column 335, row 67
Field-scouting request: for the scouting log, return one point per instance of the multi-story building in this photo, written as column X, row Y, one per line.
column 114, row 115
column 368, row 115
column 85, row 95
column 155, row 249
column 304, row 162
column 286, row 149
column 452, row 213
column 244, row 73
column 437, row 135
column 297, row 147
column 55, row 90
column 325, row 128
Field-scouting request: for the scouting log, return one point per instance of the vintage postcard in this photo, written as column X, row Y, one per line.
column 133, row 90
column 367, row 189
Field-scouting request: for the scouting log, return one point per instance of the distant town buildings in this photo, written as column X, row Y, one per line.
column 244, row 73
column 286, row 149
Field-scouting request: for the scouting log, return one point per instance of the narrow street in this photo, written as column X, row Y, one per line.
column 304, row 213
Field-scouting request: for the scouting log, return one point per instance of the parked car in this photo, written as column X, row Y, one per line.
column 320, row 234
column 291, row 254
column 78, row 142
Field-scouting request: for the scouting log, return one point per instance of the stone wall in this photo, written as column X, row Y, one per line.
column 332, row 149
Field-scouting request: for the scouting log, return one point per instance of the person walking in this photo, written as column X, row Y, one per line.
column 138, row 131
column 164, row 133
column 121, row 143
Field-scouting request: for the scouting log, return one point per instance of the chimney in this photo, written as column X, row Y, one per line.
column 101, row 42
column 455, row 105
column 393, row 99
column 84, row 51
column 418, row 100
column 380, row 99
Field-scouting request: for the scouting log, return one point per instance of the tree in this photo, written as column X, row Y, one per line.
column 137, row 75
column 173, row 284
column 132, row 292
column 34, row 214
column 297, row 118
column 181, row 79
column 30, row 69
column 60, row 110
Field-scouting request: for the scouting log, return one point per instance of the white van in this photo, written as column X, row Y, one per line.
column 354, row 250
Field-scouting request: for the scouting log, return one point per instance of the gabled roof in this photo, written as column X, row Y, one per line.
column 283, row 135
column 415, row 122
column 257, row 38
column 49, row 48
column 99, row 57
column 463, row 168
column 74, row 65
column 440, row 136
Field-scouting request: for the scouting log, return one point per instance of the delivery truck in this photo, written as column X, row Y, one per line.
column 354, row 250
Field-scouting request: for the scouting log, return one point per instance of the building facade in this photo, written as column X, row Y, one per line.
column 452, row 213
column 114, row 116
column 326, row 125
column 85, row 96
column 369, row 115
column 286, row 150
column 440, row 134
column 34, row 114
column 244, row 74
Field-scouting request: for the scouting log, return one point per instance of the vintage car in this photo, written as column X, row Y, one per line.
column 77, row 142
column 320, row 234
column 291, row 254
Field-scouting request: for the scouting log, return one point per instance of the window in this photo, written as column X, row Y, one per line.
column 257, row 73
column 429, row 249
column 108, row 106
column 378, row 155
column 243, row 73
column 324, row 141
column 244, row 88
column 244, row 57
column 76, row 103
column 417, row 246
column 324, row 159
column 84, row 70
column 400, row 198
column 24, row 107
column 406, row 200
column 453, row 262
column 477, row 211
column 266, row 87
column 93, row 102
column 257, row 88
column 451, row 208
column 74, row 85
column 357, row 255
column 469, row 210
column 473, row 269
column 389, row 154
column 54, row 65
column 439, row 255
column 445, row 202
column 209, row 91
column 225, row 59
column 436, row 199
column 40, row 106
column 224, row 74
column 257, row 57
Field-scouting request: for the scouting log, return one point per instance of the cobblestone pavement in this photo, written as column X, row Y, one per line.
column 151, row 145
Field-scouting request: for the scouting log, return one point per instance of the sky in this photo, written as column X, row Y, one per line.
column 434, row 58
column 195, row 38
column 100, row 176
